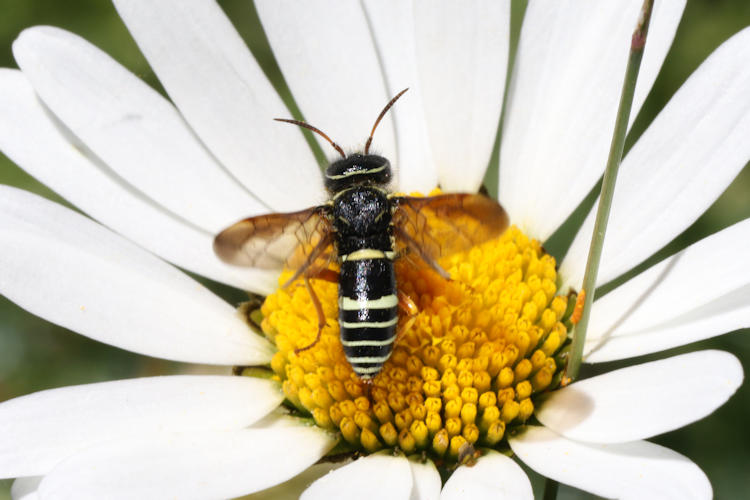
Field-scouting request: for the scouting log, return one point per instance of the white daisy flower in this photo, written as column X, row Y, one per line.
column 164, row 177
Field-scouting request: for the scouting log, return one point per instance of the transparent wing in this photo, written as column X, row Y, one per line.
column 274, row 241
column 438, row 226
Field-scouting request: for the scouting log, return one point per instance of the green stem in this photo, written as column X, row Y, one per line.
column 550, row 489
column 637, row 43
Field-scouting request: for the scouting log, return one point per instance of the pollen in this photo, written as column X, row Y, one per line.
column 465, row 371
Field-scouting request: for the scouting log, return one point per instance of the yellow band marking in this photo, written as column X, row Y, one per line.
column 370, row 324
column 384, row 302
column 357, row 172
column 368, row 253
column 368, row 343
column 368, row 359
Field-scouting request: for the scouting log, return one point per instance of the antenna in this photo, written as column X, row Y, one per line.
column 380, row 117
column 318, row 131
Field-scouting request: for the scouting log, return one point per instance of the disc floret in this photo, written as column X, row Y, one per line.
column 464, row 374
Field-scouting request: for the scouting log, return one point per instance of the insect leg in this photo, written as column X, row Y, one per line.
column 322, row 272
column 319, row 311
column 408, row 307
column 326, row 274
column 316, row 252
column 367, row 386
column 413, row 246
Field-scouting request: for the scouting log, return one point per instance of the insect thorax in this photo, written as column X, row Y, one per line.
column 361, row 210
column 362, row 219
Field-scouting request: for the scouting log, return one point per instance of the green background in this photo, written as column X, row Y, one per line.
column 35, row 354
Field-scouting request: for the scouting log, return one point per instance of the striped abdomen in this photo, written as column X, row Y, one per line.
column 368, row 309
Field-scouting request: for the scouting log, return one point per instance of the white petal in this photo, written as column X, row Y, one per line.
column 25, row 488
column 41, row 429
column 679, row 166
column 697, row 293
column 190, row 465
column 33, row 139
column 629, row 471
column 563, row 100
column 462, row 54
column 64, row 267
column 131, row 128
column 392, row 26
column 645, row 400
column 494, row 476
column 278, row 418
column 426, row 479
column 329, row 59
column 372, row 477
column 218, row 86
column 293, row 488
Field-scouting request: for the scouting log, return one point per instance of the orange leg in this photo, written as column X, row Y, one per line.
column 321, row 316
column 414, row 247
column 367, row 387
column 408, row 307
column 325, row 275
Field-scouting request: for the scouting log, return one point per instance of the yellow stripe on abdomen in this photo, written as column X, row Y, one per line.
column 368, row 253
column 385, row 302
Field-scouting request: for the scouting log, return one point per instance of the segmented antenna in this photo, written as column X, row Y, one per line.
column 380, row 117
column 317, row 131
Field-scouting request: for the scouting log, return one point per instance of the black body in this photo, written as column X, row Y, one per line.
column 362, row 220
column 361, row 216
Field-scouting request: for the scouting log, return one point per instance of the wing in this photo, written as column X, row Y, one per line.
column 273, row 241
column 438, row 226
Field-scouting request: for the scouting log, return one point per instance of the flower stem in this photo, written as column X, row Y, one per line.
column 550, row 489
column 637, row 43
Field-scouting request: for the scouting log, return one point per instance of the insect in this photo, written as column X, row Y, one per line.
column 364, row 227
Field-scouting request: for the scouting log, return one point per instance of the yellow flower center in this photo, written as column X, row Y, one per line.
column 466, row 370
